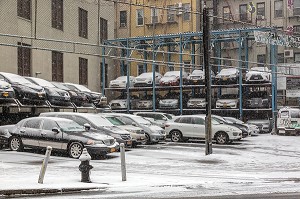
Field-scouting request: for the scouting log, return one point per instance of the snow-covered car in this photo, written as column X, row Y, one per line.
column 244, row 128
column 184, row 127
column 93, row 97
column 59, row 133
column 121, row 102
column 258, row 99
column 153, row 133
column 254, row 130
column 146, row 102
column 228, row 101
column 197, row 101
column 7, row 93
column 198, row 77
column 137, row 133
column 157, row 118
column 258, row 74
column 227, row 75
column 146, row 79
column 172, row 78
column 121, row 82
column 263, row 125
column 172, row 101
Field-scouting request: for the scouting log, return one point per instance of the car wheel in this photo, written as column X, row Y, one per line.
column 75, row 150
column 15, row 144
column 222, row 138
column 147, row 139
column 176, row 136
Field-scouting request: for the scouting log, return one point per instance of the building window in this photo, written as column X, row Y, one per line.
column 103, row 30
column 261, row 60
column 260, row 13
column 243, row 12
column 186, row 66
column 83, row 71
column 296, row 10
column 297, row 57
column 156, row 68
column 280, row 57
column 226, row 13
column 186, row 11
column 24, row 9
column 123, row 19
column 296, row 29
column 154, row 15
column 140, row 17
column 171, row 67
column 227, row 61
column 57, row 14
column 57, row 67
column 278, row 12
column 140, row 69
column 171, row 13
column 24, row 59
column 83, row 23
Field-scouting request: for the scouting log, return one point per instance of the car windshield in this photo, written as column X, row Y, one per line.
column 258, row 122
column 213, row 121
column 228, row 96
column 172, row 73
column 258, row 95
column 197, row 72
column 59, row 85
column 234, row 120
column 228, row 71
column 146, row 75
column 123, row 78
column 17, row 79
column 98, row 120
column 70, row 126
column 259, row 69
column 82, row 88
column 168, row 116
column 43, row 82
column 140, row 120
column 115, row 121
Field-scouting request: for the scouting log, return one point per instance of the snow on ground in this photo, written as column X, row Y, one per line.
column 263, row 164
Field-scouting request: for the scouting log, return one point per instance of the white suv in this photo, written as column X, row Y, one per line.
column 181, row 128
column 258, row 74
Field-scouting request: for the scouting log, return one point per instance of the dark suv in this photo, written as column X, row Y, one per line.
column 258, row 99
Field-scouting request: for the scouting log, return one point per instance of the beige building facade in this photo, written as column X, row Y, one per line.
column 57, row 40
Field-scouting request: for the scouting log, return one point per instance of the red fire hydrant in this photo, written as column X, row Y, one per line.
column 85, row 166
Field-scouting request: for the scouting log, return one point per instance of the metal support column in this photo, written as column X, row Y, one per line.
column 103, row 71
column 154, row 75
column 193, row 63
column 128, row 75
column 181, row 68
column 240, row 78
column 273, row 60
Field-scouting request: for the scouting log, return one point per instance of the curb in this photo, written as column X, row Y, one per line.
column 15, row 192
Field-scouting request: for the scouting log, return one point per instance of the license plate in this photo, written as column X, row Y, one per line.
column 255, row 77
column 112, row 150
column 5, row 94
column 40, row 94
column 225, row 78
column 225, row 105
column 129, row 142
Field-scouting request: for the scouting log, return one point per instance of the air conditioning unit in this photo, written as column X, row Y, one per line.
column 179, row 7
column 288, row 53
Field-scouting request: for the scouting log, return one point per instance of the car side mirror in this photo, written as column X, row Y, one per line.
column 87, row 126
column 56, row 130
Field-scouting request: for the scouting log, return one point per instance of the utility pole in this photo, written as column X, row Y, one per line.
column 206, row 53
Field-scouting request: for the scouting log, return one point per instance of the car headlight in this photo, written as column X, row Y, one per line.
column 93, row 142
column 231, row 129
column 232, row 76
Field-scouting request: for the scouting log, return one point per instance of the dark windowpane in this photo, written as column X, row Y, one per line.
column 278, row 8
column 123, row 18
column 57, row 14
column 24, row 8
column 261, row 60
column 57, row 67
column 103, row 30
column 24, row 60
column 83, row 23
column 83, row 71
column 243, row 12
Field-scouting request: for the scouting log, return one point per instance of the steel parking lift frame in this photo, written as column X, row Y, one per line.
column 146, row 44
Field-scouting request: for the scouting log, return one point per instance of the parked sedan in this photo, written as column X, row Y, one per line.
column 258, row 75
column 157, row 118
column 94, row 122
column 228, row 101
column 25, row 91
column 258, row 99
column 182, row 128
column 121, row 82
column 172, row 78
column 227, row 75
column 93, row 97
column 146, row 79
column 121, row 102
column 263, row 125
column 77, row 97
column 198, row 77
column 172, row 101
column 197, row 101
column 146, row 102
column 60, row 134
column 7, row 93
column 153, row 133
column 137, row 133
column 254, row 130
column 55, row 95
